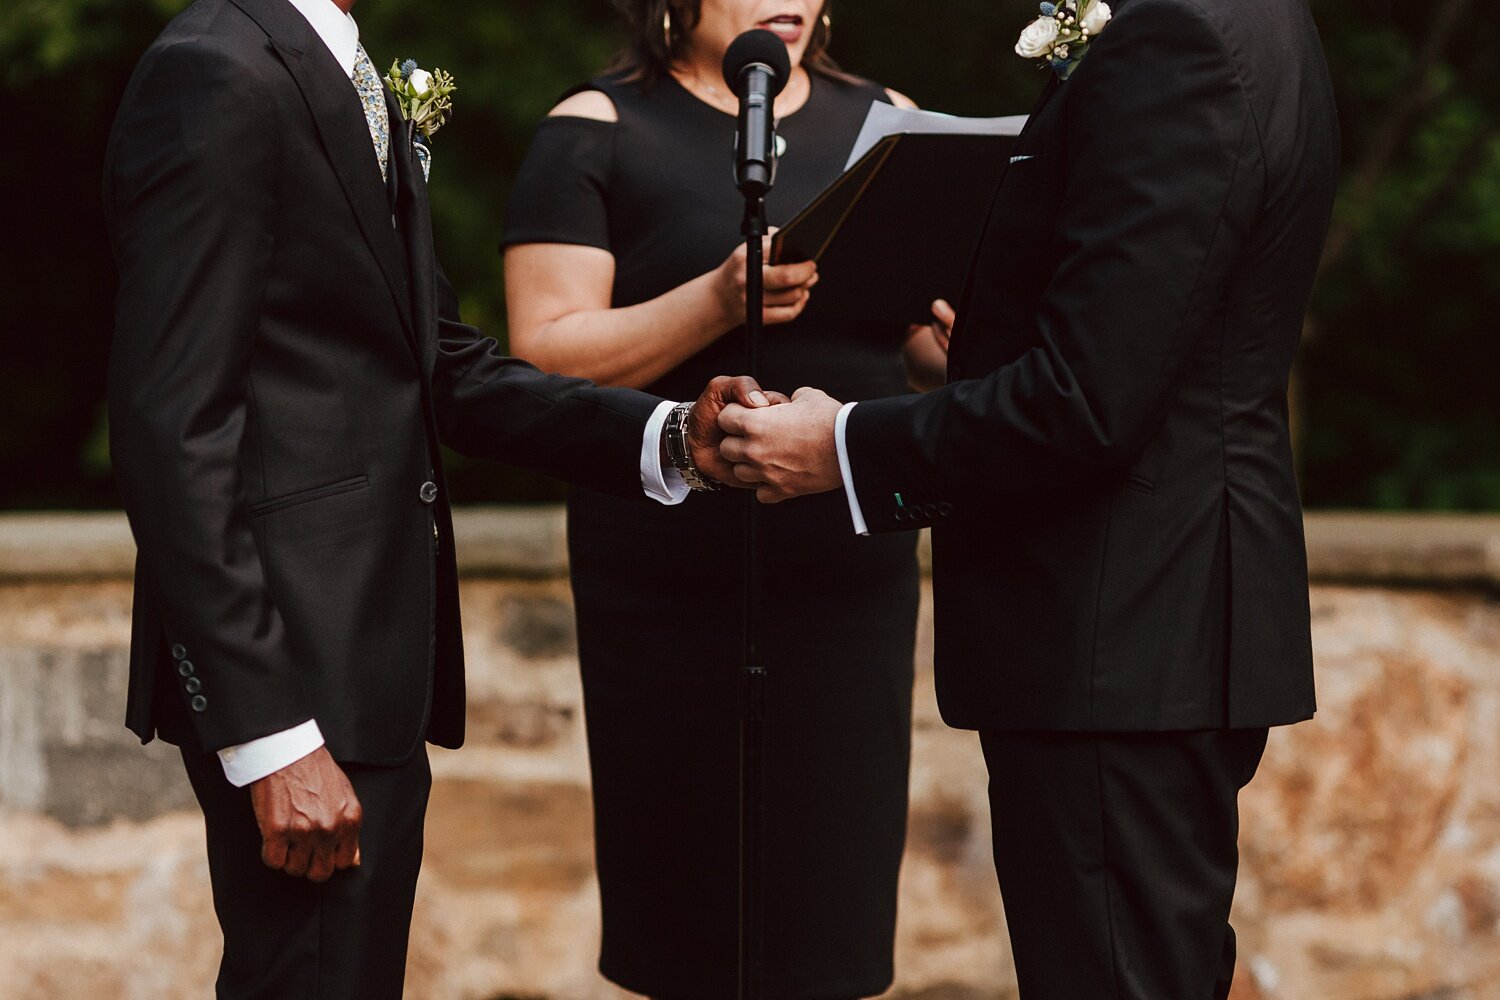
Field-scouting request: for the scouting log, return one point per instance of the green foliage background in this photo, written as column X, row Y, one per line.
column 1397, row 387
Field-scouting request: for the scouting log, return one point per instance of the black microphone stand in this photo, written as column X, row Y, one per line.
column 753, row 706
column 756, row 67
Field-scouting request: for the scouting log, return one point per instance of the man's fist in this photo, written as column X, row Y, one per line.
column 309, row 818
column 703, row 432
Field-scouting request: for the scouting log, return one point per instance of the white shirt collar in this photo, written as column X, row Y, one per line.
column 337, row 29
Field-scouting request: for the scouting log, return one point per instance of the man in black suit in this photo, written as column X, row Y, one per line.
column 1118, row 560
column 287, row 362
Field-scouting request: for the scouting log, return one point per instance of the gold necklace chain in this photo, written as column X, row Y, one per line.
column 716, row 96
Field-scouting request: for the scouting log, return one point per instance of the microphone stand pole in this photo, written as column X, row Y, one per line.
column 753, row 694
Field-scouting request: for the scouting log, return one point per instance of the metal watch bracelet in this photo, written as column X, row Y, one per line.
column 681, row 455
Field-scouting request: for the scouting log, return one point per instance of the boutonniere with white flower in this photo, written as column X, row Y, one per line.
column 1061, row 36
column 425, row 100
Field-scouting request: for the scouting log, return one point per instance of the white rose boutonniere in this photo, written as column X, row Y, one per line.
column 425, row 99
column 1061, row 36
column 1038, row 38
column 1095, row 17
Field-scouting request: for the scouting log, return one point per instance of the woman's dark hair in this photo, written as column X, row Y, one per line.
column 647, row 55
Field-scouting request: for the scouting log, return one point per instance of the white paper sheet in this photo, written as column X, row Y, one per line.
column 887, row 119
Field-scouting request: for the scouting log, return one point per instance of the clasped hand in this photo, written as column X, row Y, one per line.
column 754, row 438
column 783, row 450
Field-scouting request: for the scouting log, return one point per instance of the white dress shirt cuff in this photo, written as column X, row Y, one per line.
column 855, row 513
column 664, row 485
column 254, row 760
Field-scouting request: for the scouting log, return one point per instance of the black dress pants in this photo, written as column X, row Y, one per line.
column 287, row 938
column 1117, row 856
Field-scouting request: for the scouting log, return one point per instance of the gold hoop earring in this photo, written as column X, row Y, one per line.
column 666, row 29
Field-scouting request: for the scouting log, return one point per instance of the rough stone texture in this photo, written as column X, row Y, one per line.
column 1421, row 549
column 1371, row 840
column 63, row 749
column 531, row 542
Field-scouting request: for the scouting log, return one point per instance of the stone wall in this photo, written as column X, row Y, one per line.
column 1371, row 843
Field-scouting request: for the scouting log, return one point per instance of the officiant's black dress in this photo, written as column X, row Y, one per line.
column 658, row 591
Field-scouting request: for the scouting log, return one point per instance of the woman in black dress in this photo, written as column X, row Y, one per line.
column 621, row 266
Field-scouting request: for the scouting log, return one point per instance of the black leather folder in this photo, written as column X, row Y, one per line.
column 897, row 229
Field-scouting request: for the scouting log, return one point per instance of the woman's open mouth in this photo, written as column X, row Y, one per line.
column 787, row 27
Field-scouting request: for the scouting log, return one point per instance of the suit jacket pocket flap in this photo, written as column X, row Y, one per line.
column 308, row 495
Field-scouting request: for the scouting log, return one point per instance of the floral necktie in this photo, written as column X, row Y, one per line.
column 372, row 96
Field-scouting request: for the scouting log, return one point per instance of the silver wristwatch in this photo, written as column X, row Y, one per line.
column 681, row 455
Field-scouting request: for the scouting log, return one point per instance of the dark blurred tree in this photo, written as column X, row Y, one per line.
column 1397, row 395
column 64, row 62
column 1400, row 392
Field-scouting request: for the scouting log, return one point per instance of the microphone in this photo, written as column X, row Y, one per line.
column 757, row 68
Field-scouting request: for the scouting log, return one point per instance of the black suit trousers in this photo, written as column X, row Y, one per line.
column 1117, row 856
column 287, row 938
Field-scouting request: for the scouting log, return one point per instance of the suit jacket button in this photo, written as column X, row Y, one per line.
column 902, row 514
column 185, row 668
column 428, row 492
column 945, row 509
column 199, row 703
column 192, row 685
column 179, row 651
column 931, row 510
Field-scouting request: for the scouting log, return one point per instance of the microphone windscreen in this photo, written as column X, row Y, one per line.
column 757, row 46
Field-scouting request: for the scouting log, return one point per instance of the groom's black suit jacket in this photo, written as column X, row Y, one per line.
column 287, row 360
column 1118, row 536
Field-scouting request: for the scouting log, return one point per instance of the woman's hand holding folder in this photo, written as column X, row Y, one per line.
column 787, row 287
column 926, row 349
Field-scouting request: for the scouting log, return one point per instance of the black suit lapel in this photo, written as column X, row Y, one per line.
column 413, row 214
column 399, row 167
column 395, row 162
column 1053, row 84
column 335, row 107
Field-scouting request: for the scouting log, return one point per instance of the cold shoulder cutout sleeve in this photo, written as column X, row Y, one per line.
column 561, row 192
